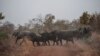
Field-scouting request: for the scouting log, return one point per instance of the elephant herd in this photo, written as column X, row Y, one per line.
column 55, row 36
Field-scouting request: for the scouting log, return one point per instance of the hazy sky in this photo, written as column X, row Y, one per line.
column 21, row 11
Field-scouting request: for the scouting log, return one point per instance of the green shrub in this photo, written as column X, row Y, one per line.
column 3, row 35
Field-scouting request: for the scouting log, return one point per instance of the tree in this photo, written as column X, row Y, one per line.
column 20, row 27
column 97, row 21
column 37, row 24
column 61, row 25
column 3, row 35
column 8, row 27
column 75, row 24
column 1, row 16
column 84, row 19
column 48, row 23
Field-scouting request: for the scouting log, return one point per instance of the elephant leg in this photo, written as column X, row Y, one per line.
column 22, row 41
column 48, row 42
column 44, row 43
column 38, row 44
column 57, row 42
column 61, row 41
column 16, row 40
column 67, row 41
column 33, row 43
column 72, row 41
column 53, row 43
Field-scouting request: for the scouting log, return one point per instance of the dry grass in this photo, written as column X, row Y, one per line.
column 90, row 47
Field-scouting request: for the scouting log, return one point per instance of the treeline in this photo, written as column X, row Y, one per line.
column 50, row 23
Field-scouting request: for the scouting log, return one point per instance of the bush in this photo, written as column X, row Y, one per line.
column 3, row 35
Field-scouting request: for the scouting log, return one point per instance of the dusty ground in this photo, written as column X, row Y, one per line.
column 79, row 48
column 76, row 49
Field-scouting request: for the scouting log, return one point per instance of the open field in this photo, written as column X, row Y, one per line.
column 79, row 48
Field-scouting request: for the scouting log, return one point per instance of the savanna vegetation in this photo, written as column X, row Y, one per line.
column 49, row 23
